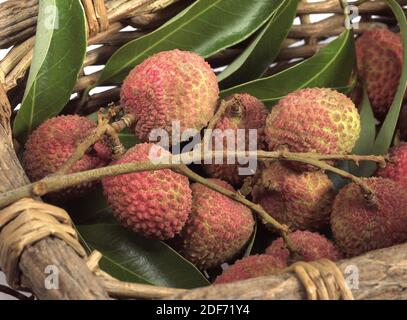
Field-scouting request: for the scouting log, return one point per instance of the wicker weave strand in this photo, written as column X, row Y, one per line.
column 26, row 222
column 322, row 280
column 96, row 15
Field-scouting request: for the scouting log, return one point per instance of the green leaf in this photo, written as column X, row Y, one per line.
column 256, row 59
column 129, row 257
column 206, row 27
column 128, row 138
column 367, row 137
column 386, row 133
column 366, row 141
column 338, row 181
column 331, row 67
column 92, row 211
column 59, row 52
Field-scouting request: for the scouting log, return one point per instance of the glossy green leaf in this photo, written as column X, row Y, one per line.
column 367, row 136
column 259, row 55
column 92, row 210
column 331, row 67
column 128, row 138
column 206, row 27
column 60, row 49
column 387, row 131
column 337, row 181
column 366, row 141
column 129, row 257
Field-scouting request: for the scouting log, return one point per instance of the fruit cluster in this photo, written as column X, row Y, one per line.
column 209, row 228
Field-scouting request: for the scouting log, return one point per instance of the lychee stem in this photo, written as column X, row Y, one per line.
column 103, row 128
column 58, row 182
column 223, row 105
column 367, row 191
column 184, row 170
column 61, row 181
column 258, row 209
column 81, row 148
column 115, row 143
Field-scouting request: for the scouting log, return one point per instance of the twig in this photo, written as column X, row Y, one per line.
column 223, row 105
column 82, row 147
column 57, row 182
column 103, row 128
column 184, row 170
column 367, row 191
column 275, row 155
column 114, row 141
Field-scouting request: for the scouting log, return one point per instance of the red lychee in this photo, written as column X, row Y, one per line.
column 360, row 226
column 315, row 120
column 54, row 142
column 243, row 113
column 396, row 168
column 379, row 54
column 251, row 267
column 310, row 246
column 155, row 204
column 168, row 87
column 301, row 200
column 217, row 229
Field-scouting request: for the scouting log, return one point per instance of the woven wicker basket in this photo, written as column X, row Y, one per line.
column 17, row 30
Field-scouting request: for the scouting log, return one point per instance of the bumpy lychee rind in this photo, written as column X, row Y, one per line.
column 314, row 120
column 170, row 86
column 310, row 246
column 301, row 200
column 155, row 204
column 251, row 267
column 379, row 54
column 396, row 168
column 359, row 227
column 217, row 229
column 244, row 112
column 54, row 142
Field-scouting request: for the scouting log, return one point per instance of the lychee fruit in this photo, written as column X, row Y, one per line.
column 54, row 142
column 309, row 246
column 243, row 113
column 359, row 226
column 403, row 123
column 251, row 267
column 217, row 229
column 379, row 54
column 314, row 120
column 170, row 86
column 396, row 168
column 301, row 200
column 155, row 204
